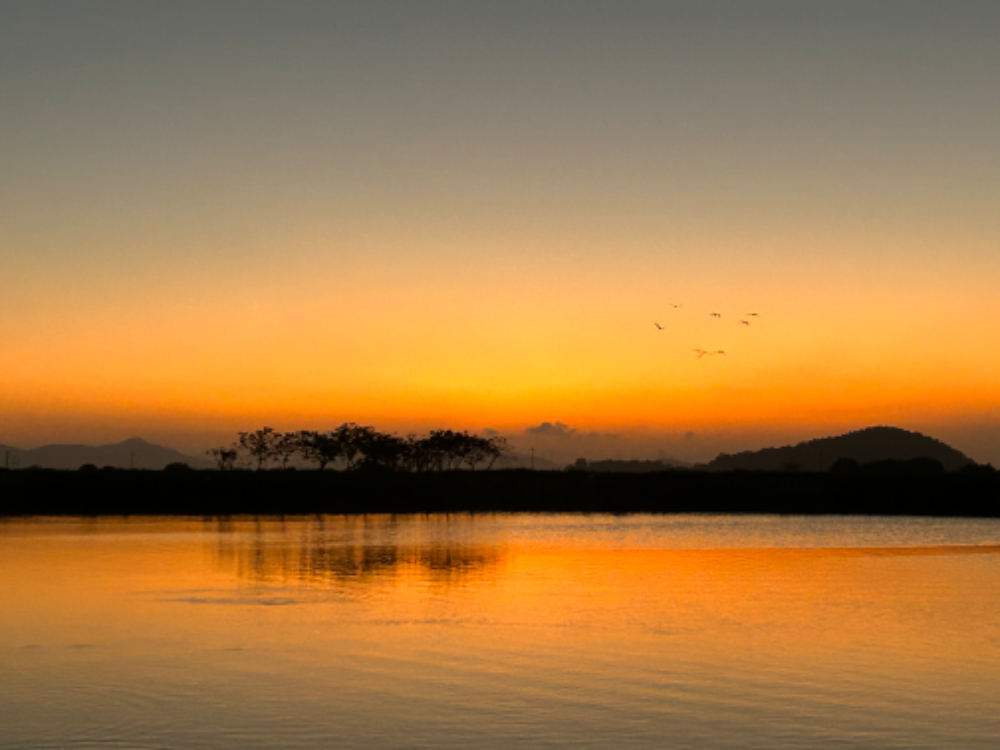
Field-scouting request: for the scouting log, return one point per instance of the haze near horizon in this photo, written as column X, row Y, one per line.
column 471, row 215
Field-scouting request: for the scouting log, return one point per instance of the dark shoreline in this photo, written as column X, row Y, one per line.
column 214, row 493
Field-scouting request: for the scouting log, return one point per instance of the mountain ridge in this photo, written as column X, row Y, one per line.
column 134, row 453
column 867, row 445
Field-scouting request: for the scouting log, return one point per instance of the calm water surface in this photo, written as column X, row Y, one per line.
column 500, row 631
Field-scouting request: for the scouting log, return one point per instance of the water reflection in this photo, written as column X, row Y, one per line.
column 337, row 550
column 502, row 631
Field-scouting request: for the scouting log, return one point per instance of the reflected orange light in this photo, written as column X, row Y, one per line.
column 141, row 576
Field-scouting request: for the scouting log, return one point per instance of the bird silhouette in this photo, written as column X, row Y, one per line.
column 676, row 305
column 704, row 353
column 659, row 327
column 745, row 322
column 753, row 315
column 715, row 314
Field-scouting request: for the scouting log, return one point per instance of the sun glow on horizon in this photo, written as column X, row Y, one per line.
column 402, row 228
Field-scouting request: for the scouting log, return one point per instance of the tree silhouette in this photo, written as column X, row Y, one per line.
column 352, row 439
column 286, row 446
column 260, row 445
column 224, row 457
column 363, row 445
column 498, row 448
column 382, row 450
column 321, row 447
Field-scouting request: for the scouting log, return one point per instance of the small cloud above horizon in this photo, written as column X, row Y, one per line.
column 562, row 431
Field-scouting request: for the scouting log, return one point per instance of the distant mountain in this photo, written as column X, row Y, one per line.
column 521, row 461
column 132, row 453
column 864, row 446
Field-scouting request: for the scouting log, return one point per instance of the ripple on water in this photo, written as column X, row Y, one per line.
column 499, row 631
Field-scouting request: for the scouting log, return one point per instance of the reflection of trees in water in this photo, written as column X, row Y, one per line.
column 355, row 549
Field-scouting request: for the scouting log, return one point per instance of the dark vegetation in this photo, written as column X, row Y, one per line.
column 354, row 446
column 355, row 469
column 970, row 492
column 618, row 466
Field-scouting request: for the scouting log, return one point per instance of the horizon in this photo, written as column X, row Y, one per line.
column 480, row 217
column 554, row 443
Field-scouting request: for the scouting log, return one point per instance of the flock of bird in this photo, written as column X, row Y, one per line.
column 705, row 352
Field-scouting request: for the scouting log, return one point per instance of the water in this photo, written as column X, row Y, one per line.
column 500, row 631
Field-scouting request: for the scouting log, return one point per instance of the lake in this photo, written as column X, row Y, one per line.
column 500, row 631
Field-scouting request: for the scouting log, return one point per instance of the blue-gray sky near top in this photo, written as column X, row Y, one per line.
column 164, row 106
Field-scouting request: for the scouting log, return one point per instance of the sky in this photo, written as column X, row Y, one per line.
column 219, row 216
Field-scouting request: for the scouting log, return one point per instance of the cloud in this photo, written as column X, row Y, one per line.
column 562, row 431
column 551, row 429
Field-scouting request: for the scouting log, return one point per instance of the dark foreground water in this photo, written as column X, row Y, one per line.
column 500, row 631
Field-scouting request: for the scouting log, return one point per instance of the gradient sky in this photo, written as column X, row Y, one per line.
column 215, row 216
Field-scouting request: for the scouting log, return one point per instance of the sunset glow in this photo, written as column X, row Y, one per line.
column 444, row 215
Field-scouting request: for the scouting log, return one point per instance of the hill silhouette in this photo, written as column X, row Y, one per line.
column 132, row 453
column 870, row 445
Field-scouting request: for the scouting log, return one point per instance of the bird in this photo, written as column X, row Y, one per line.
column 659, row 327
column 676, row 305
column 745, row 322
column 704, row 353
column 701, row 353
column 753, row 315
column 715, row 314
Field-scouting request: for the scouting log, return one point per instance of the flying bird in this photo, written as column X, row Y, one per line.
column 715, row 314
column 659, row 327
column 753, row 315
column 745, row 322
column 676, row 305
column 704, row 353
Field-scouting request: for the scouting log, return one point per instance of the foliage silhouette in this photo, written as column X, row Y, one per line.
column 320, row 447
column 363, row 447
column 260, row 445
column 225, row 457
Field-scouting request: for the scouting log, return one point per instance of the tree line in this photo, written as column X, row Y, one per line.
column 359, row 446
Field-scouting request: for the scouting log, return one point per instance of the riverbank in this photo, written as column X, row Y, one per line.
column 42, row 492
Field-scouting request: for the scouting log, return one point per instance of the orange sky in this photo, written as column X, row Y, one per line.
column 472, row 224
column 506, row 349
